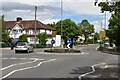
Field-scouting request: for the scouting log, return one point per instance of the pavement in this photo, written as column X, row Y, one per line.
column 90, row 64
column 110, row 50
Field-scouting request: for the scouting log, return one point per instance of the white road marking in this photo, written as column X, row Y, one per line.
column 13, row 58
column 84, row 53
column 20, row 64
column 27, row 68
column 5, row 58
column 33, row 58
column 40, row 52
column 22, row 58
column 93, row 68
column 106, row 66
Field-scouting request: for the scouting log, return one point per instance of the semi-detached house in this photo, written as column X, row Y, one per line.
column 19, row 27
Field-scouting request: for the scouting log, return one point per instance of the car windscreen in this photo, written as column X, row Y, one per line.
column 21, row 44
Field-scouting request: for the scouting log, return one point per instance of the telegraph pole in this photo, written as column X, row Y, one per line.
column 105, row 21
column 61, row 22
column 35, row 25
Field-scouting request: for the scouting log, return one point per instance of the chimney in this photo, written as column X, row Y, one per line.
column 19, row 19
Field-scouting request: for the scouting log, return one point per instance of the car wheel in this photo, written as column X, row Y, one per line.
column 16, row 51
column 33, row 50
column 28, row 51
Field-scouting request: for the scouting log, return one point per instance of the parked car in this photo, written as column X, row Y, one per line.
column 23, row 46
column 3, row 45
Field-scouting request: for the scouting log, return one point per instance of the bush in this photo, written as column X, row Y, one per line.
column 100, row 48
column 40, row 46
column 42, row 37
column 23, row 38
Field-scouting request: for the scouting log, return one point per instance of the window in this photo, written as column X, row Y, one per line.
column 15, row 31
column 27, row 31
column 32, row 39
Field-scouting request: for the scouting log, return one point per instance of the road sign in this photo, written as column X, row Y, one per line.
column 52, row 41
column 69, row 41
column 102, row 34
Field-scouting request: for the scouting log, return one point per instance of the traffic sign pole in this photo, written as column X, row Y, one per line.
column 102, row 36
column 52, row 42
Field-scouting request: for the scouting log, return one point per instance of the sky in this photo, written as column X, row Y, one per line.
column 49, row 11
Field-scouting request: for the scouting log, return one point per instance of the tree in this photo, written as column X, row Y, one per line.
column 2, row 30
column 23, row 38
column 6, row 38
column 86, row 29
column 114, row 22
column 42, row 37
column 69, row 29
column 96, row 37
column 2, row 23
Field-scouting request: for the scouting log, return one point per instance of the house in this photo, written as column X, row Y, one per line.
column 19, row 27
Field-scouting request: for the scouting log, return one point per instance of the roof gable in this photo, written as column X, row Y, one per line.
column 17, row 26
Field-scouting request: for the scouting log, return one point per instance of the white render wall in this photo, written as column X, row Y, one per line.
column 42, row 30
column 48, row 40
column 32, row 42
column 16, row 31
column 49, row 32
column 58, row 40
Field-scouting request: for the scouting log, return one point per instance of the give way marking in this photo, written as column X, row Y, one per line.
column 26, row 68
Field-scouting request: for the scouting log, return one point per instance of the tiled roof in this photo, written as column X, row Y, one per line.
column 48, row 35
column 28, row 24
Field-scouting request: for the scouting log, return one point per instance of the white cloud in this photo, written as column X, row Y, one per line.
column 45, row 13
column 82, row 8
column 49, row 21
column 97, row 25
column 11, row 10
column 33, row 2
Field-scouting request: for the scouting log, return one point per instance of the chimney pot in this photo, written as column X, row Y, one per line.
column 19, row 19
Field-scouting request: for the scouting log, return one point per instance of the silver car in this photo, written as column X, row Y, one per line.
column 23, row 46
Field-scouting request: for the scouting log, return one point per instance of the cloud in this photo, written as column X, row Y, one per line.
column 8, row 6
column 33, row 2
column 80, row 8
column 98, row 25
column 49, row 21
column 11, row 10
column 49, row 11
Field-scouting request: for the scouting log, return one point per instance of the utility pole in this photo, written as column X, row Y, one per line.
column 105, row 21
column 61, row 22
column 101, row 30
column 101, row 25
column 35, row 25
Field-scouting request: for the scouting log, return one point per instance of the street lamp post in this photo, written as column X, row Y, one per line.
column 105, row 21
column 101, row 24
column 35, row 25
column 61, row 22
column 101, row 30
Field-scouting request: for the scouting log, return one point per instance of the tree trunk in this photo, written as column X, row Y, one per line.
column 85, row 38
column 110, row 42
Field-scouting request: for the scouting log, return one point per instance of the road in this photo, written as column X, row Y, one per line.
column 89, row 63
